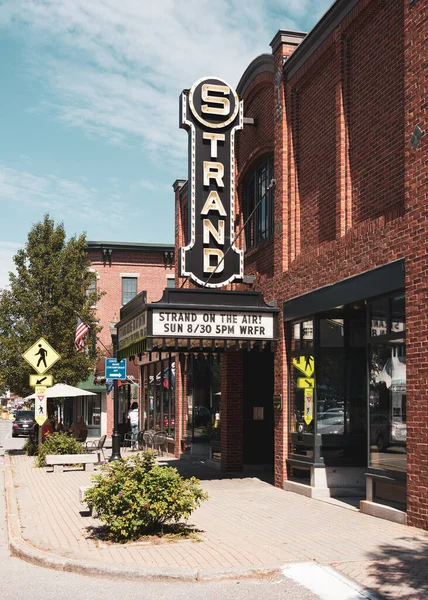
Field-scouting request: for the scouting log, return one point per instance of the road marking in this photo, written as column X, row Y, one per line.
column 323, row 581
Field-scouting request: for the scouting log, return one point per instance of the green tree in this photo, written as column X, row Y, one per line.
column 46, row 295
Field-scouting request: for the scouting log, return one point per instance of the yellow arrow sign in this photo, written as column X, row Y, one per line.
column 305, row 382
column 46, row 380
column 305, row 364
column 41, row 356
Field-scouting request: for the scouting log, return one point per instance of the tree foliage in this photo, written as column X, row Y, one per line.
column 46, row 295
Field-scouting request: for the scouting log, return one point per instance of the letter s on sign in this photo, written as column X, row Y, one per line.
column 224, row 102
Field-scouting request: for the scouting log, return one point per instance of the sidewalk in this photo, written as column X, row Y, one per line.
column 246, row 526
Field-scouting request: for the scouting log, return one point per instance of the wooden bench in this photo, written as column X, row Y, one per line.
column 59, row 460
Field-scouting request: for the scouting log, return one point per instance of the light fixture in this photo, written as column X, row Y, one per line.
column 416, row 136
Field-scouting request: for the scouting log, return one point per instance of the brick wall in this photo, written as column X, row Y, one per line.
column 313, row 119
column 152, row 277
column 350, row 193
column 416, row 170
column 375, row 102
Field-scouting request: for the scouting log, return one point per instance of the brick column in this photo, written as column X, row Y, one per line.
column 283, row 44
column 416, row 196
column 286, row 233
column 232, row 428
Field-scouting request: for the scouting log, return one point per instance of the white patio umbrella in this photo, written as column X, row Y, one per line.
column 62, row 390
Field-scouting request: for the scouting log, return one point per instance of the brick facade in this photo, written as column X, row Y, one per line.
column 111, row 261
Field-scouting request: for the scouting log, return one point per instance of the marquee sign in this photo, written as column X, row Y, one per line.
column 211, row 112
column 208, row 324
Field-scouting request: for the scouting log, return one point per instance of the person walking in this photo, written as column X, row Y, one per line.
column 134, row 421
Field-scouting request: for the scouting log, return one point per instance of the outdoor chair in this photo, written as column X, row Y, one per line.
column 160, row 442
column 147, row 439
column 127, row 440
column 96, row 446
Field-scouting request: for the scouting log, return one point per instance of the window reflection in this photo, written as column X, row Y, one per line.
column 379, row 318
column 388, row 406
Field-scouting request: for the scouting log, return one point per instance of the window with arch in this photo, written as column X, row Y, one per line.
column 258, row 204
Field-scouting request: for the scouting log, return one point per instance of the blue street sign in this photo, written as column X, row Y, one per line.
column 115, row 369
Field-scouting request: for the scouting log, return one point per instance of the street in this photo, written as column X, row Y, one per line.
column 29, row 581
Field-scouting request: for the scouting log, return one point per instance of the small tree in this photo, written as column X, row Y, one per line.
column 46, row 295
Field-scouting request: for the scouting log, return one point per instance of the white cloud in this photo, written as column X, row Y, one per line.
column 7, row 251
column 61, row 198
column 116, row 69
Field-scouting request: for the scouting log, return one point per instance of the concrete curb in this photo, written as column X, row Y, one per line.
column 21, row 549
column 365, row 592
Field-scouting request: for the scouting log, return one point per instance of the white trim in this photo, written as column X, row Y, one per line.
column 170, row 276
column 130, row 275
column 91, row 270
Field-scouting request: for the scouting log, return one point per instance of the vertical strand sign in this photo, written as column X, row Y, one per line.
column 211, row 112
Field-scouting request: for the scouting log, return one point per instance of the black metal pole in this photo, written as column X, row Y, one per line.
column 115, row 438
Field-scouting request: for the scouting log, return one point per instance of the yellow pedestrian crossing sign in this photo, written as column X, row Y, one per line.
column 305, row 364
column 41, row 356
column 305, row 382
column 40, row 408
column 45, row 379
column 309, row 406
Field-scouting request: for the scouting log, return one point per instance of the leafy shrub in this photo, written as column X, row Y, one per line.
column 58, row 443
column 135, row 496
column 30, row 446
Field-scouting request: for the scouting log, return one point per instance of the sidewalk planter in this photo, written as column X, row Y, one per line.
column 136, row 496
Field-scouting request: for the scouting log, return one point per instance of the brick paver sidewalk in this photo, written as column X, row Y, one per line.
column 245, row 523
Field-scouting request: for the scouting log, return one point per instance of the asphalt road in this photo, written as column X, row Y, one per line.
column 19, row 579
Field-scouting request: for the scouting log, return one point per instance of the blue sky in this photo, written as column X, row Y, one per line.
column 89, row 105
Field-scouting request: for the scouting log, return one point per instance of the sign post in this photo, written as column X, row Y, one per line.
column 41, row 356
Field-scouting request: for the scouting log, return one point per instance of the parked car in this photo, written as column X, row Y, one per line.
column 24, row 423
column 385, row 432
column 331, row 421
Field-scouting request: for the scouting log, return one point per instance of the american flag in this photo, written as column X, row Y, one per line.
column 81, row 330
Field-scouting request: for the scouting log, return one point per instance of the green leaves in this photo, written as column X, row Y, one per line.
column 135, row 496
column 58, row 443
column 46, row 294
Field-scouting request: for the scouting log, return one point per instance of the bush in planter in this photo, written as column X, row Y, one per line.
column 135, row 496
column 58, row 443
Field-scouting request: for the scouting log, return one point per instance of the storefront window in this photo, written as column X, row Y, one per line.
column 379, row 318
column 388, row 406
column 302, row 335
column 331, row 333
column 332, row 411
column 398, row 323
column 151, row 395
column 159, row 400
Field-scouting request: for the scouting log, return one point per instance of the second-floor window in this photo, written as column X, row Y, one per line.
column 92, row 287
column 129, row 289
column 258, row 202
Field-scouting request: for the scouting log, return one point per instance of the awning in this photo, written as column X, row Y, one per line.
column 90, row 385
column 196, row 320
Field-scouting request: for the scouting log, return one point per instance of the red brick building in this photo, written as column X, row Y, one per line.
column 331, row 198
column 123, row 271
